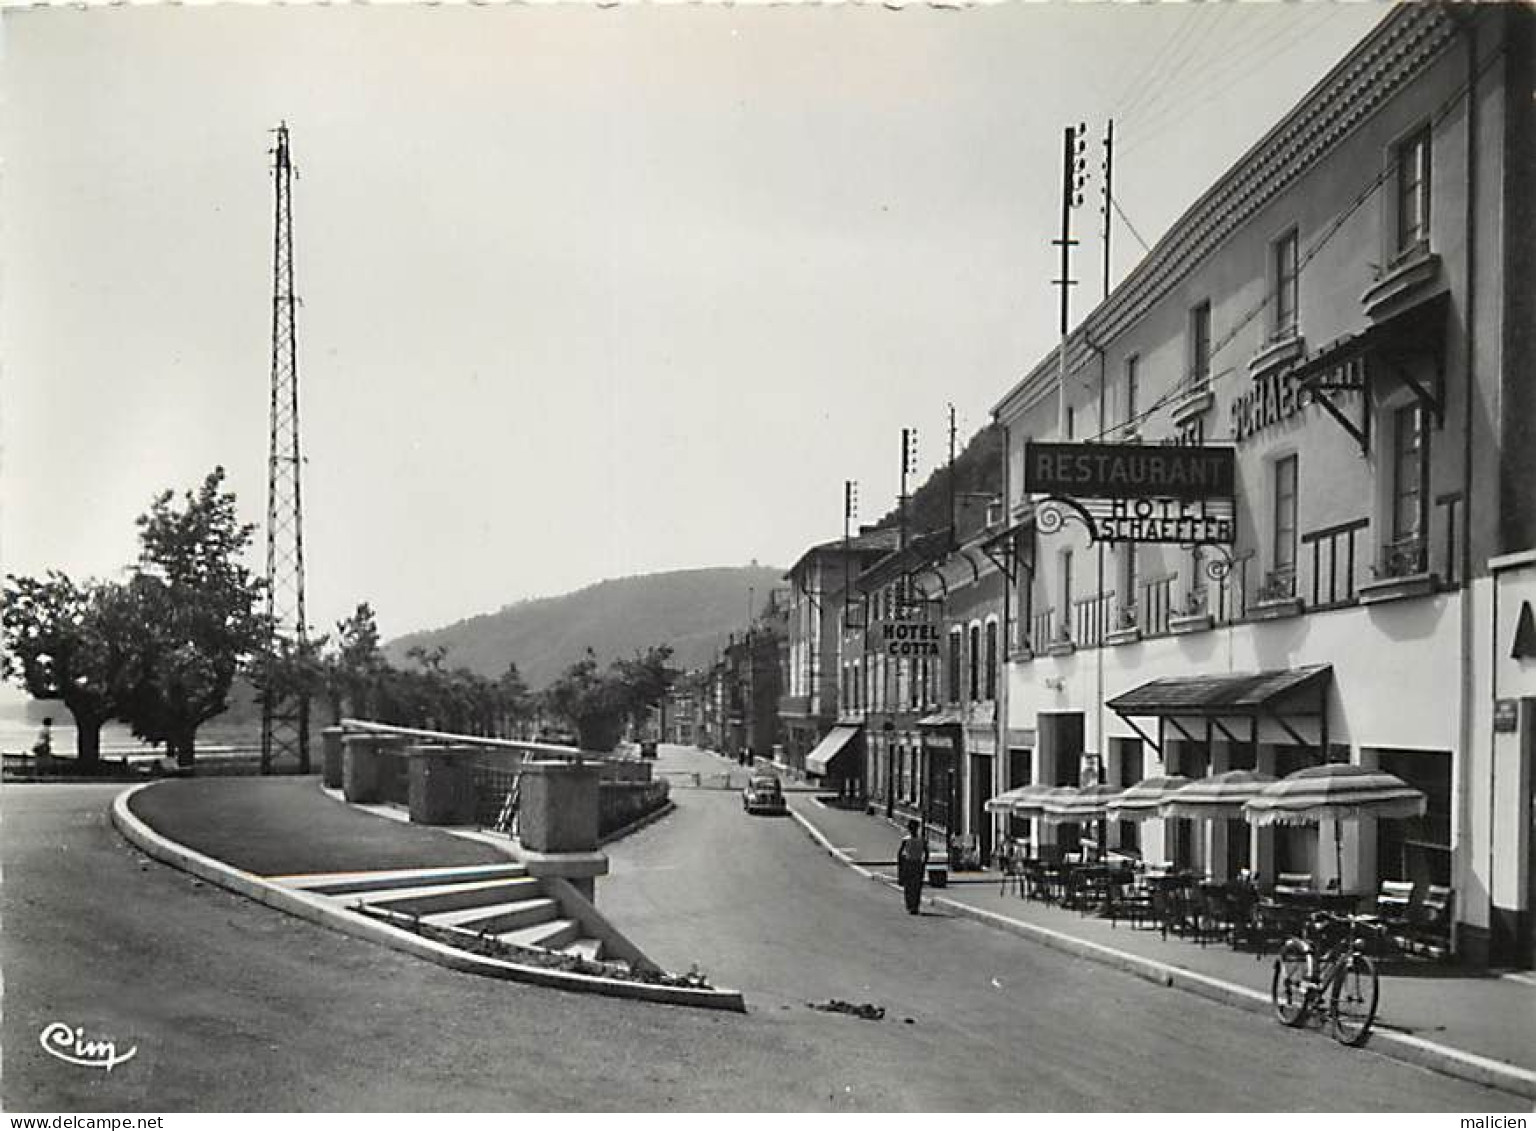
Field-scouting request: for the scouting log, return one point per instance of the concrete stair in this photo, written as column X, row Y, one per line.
column 497, row 918
column 553, row 934
column 428, row 898
column 343, row 883
column 494, row 899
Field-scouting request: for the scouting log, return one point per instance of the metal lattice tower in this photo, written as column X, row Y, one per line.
column 284, row 713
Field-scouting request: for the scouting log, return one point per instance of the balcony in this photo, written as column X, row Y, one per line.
column 1276, row 596
column 1401, row 570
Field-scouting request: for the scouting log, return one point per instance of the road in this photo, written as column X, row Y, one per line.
column 235, row 1007
column 975, row 1018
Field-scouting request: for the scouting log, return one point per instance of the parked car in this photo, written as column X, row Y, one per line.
column 763, row 795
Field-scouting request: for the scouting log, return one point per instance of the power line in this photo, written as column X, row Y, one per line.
column 1115, row 204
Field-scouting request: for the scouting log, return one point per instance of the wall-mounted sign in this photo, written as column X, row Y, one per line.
column 1136, row 493
column 1129, row 471
column 1506, row 716
column 1162, row 520
column 905, row 638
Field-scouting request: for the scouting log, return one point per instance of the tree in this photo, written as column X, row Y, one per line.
column 61, row 642
column 646, row 680
column 355, row 664
column 195, row 610
column 514, row 700
column 597, row 703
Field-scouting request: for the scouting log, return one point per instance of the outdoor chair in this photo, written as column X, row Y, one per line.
column 1246, row 929
column 1394, row 908
column 1129, row 900
column 1429, row 931
column 1013, row 864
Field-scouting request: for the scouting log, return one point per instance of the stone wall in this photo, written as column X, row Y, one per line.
column 621, row 803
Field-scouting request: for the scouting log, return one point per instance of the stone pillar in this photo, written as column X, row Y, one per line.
column 331, row 757
column 360, row 768
column 558, row 809
column 442, row 786
column 362, row 765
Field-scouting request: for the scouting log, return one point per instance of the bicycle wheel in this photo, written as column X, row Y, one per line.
column 1352, row 1002
column 1289, row 990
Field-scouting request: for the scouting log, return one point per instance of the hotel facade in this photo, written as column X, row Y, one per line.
column 1351, row 310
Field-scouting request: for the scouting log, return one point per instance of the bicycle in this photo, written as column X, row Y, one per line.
column 1343, row 970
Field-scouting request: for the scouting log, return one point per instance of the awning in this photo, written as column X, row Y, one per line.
column 819, row 761
column 1277, row 695
column 1291, row 691
column 1389, row 348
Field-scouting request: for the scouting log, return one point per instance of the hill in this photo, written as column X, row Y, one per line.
column 692, row 610
column 978, row 476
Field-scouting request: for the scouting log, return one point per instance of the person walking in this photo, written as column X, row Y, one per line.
column 42, row 749
column 911, row 864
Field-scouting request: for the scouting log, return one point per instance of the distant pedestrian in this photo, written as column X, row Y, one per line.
column 911, row 865
column 42, row 749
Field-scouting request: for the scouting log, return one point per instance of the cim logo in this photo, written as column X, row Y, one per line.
column 70, row 1045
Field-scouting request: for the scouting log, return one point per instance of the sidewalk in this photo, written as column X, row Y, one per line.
column 1434, row 1018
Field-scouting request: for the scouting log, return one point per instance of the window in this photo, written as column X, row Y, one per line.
column 1285, row 523
column 1130, row 582
column 991, row 688
column 1407, row 469
column 1132, row 380
column 955, row 646
column 1071, row 422
column 975, row 659
column 1200, row 345
column 1285, row 278
column 1413, row 192
column 1065, row 620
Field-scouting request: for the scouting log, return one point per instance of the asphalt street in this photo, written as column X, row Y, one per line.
column 975, row 1018
column 232, row 1006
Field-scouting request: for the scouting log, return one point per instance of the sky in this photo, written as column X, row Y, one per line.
column 586, row 291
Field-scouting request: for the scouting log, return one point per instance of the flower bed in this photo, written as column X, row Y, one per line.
column 488, row 946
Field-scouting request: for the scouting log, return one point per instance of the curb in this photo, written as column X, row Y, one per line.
column 1396, row 1046
column 324, row 912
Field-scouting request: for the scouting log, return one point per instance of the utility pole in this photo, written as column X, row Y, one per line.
column 1109, row 166
column 850, row 511
column 284, row 711
column 1074, row 175
column 908, row 468
column 953, row 487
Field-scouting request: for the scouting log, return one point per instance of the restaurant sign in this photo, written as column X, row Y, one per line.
column 1182, row 494
column 1129, row 471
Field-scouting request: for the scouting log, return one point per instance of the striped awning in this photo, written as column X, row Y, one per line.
column 1003, row 802
column 819, row 762
column 1030, row 799
column 1087, row 803
column 1218, row 796
column 1141, row 800
column 1336, row 791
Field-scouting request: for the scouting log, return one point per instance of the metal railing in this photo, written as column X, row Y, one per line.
column 1333, row 546
column 1091, row 619
column 1156, row 601
column 1040, row 631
